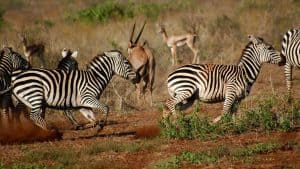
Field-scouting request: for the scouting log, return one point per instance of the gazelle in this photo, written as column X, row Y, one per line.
column 31, row 50
column 143, row 61
column 175, row 41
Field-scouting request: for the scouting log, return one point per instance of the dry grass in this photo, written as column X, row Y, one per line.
column 222, row 30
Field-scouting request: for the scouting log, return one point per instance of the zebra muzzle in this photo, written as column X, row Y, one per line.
column 136, row 78
column 283, row 60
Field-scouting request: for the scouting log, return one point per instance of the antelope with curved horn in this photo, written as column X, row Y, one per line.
column 175, row 41
column 31, row 50
column 143, row 61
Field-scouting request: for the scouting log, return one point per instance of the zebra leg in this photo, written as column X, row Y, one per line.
column 89, row 115
column 178, row 98
column 69, row 115
column 288, row 71
column 95, row 104
column 5, row 105
column 230, row 99
column 36, row 115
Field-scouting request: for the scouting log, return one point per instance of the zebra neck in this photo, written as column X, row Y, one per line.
column 251, row 68
column 101, row 68
column 6, row 66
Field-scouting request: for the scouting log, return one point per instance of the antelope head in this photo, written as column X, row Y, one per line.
column 134, row 43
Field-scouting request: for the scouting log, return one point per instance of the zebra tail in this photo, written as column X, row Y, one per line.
column 6, row 90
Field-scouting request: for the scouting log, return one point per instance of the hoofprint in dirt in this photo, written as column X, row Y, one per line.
column 131, row 141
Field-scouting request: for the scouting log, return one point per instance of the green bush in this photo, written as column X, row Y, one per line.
column 109, row 10
column 261, row 118
column 216, row 154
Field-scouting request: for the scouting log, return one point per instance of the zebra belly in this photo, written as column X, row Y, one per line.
column 215, row 94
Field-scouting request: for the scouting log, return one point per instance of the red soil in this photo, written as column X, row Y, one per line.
column 13, row 131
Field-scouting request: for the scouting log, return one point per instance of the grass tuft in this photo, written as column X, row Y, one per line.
column 263, row 118
column 217, row 154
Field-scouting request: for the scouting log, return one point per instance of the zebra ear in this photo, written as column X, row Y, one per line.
column 64, row 52
column 7, row 49
column 74, row 54
column 254, row 39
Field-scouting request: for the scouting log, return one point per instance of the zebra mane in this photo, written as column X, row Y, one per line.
column 244, row 51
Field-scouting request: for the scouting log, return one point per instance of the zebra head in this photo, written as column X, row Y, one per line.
column 18, row 62
column 122, row 67
column 265, row 52
column 68, row 62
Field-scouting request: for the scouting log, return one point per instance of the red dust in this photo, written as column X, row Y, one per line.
column 14, row 131
column 147, row 131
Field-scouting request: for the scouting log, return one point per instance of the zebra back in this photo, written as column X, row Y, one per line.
column 290, row 46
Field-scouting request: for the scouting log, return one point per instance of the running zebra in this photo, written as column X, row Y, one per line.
column 216, row 83
column 67, row 63
column 9, row 62
column 77, row 89
column 291, row 52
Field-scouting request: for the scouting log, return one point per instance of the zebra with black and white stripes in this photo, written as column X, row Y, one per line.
column 77, row 89
column 9, row 62
column 216, row 83
column 291, row 51
column 67, row 63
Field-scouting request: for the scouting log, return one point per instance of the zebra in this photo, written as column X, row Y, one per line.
column 67, row 63
column 216, row 83
column 9, row 62
column 76, row 89
column 291, row 52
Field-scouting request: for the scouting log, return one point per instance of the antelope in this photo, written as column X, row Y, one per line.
column 175, row 41
column 143, row 61
column 31, row 50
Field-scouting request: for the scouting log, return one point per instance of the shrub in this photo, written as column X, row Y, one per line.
column 216, row 154
column 261, row 118
column 109, row 10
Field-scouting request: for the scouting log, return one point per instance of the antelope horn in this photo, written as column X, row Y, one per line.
column 138, row 37
column 132, row 32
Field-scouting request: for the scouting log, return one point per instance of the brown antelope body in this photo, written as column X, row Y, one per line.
column 175, row 41
column 143, row 61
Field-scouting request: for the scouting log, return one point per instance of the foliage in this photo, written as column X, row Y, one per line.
column 113, row 146
column 109, row 10
column 216, row 154
column 115, row 10
column 261, row 118
column 64, row 158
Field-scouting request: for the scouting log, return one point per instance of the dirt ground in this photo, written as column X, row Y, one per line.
column 142, row 128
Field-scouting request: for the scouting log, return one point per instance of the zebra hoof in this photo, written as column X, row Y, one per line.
column 79, row 127
column 101, row 124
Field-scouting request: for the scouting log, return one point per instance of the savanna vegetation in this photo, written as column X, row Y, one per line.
column 263, row 134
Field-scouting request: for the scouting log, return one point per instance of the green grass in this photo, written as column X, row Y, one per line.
column 60, row 158
column 217, row 154
column 110, row 10
column 117, row 146
column 266, row 117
